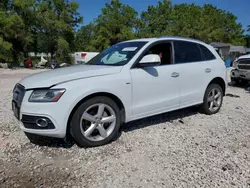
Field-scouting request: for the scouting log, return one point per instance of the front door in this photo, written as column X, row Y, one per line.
column 155, row 89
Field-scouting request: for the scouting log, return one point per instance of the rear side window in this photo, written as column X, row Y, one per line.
column 206, row 53
column 187, row 52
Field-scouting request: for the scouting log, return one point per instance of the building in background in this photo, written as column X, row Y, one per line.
column 228, row 52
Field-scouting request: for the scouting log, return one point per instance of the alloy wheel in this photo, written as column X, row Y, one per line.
column 97, row 122
column 214, row 99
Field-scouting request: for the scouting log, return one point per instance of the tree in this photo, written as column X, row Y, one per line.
column 206, row 23
column 5, row 50
column 186, row 20
column 247, row 37
column 116, row 23
column 57, row 21
column 37, row 26
column 63, row 51
column 83, row 36
column 157, row 20
column 15, row 29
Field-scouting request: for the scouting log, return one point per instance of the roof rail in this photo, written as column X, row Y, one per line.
column 177, row 37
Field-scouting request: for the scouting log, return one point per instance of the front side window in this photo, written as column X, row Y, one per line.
column 187, row 52
column 164, row 50
column 117, row 55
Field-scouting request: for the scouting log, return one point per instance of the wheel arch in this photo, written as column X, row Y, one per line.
column 220, row 81
column 116, row 99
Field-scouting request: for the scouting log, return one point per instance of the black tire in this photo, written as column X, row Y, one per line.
column 244, row 82
column 75, row 129
column 241, row 82
column 235, row 81
column 232, row 79
column 204, row 108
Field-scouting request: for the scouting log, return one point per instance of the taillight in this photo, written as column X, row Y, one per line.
column 83, row 54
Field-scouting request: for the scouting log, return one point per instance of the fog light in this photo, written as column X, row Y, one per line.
column 232, row 73
column 41, row 122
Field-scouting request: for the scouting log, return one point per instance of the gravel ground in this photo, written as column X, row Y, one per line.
column 177, row 149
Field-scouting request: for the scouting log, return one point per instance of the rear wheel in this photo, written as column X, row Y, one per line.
column 213, row 99
column 96, row 122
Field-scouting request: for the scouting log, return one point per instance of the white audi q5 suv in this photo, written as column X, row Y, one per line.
column 128, row 81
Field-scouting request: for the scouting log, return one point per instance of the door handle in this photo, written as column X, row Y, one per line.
column 208, row 70
column 175, row 74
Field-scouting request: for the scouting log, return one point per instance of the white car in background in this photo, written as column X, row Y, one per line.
column 83, row 57
column 128, row 81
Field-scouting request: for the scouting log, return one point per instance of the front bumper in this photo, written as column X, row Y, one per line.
column 28, row 112
column 240, row 74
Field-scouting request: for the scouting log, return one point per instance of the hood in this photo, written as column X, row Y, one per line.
column 57, row 76
column 244, row 57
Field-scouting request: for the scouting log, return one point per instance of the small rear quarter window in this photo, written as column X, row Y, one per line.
column 206, row 53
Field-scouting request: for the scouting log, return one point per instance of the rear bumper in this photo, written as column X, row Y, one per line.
column 240, row 74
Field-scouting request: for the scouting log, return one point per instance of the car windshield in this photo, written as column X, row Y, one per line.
column 117, row 55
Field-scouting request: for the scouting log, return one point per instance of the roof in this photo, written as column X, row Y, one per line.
column 179, row 38
column 232, row 48
column 244, row 56
column 141, row 40
column 240, row 49
column 220, row 44
column 164, row 37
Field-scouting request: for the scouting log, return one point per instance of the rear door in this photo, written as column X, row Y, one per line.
column 195, row 71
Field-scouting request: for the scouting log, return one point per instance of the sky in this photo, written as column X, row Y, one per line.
column 90, row 9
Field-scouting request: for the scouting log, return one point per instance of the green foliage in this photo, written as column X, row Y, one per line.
column 116, row 23
column 157, row 20
column 15, row 20
column 5, row 50
column 63, row 51
column 35, row 26
column 83, row 37
column 49, row 26
column 57, row 19
column 120, row 22
column 247, row 37
column 206, row 23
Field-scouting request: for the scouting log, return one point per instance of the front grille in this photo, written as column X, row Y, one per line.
column 29, row 122
column 244, row 67
column 244, row 64
column 18, row 94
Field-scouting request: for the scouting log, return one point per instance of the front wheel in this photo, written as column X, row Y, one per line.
column 235, row 81
column 213, row 99
column 96, row 122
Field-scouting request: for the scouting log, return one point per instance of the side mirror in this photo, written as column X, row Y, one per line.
column 150, row 60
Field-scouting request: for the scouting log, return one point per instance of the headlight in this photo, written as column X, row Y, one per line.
column 46, row 95
column 235, row 63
